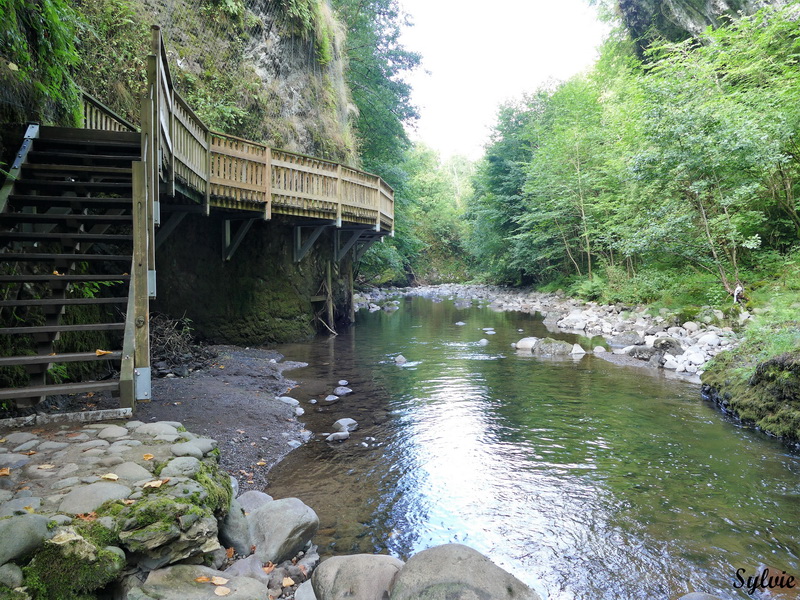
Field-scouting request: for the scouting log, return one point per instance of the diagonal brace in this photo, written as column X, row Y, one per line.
column 300, row 248
column 341, row 251
column 230, row 244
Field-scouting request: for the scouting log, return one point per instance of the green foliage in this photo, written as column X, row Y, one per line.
column 37, row 48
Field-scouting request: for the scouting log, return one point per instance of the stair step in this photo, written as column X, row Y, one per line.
column 103, row 186
column 70, row 169
column 13, row 361
column 88, row 136
column 54, row 157
column 60, row 218
column 62, row 328
column 16, row 236
column 62, row 388
column 61, row 301
column 49, row 257
column 69, row 278
column 18, row 200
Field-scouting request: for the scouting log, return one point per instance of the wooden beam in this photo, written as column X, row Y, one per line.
column 341, row 251
column 167, row 228
column 300, row 248
column 230, row 245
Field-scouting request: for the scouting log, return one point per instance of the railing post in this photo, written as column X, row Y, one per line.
column 268, row 185
column 209, row 139
column 339, row 195
column 139, row 281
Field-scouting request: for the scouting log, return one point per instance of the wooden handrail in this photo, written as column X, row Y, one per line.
column 97, row 115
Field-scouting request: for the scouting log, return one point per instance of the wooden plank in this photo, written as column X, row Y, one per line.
column 63, row 388
column 94, row 169
column 61, row 328
column 240, row 154
column 32, row 278
column 141, row 304
column 47, row 257
column 61, row 301
column 10, row 361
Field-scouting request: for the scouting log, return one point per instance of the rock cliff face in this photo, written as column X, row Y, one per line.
column 677, row 20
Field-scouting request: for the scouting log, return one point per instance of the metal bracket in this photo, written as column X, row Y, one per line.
column 31, row 133
column 340, row 251
column 151, row 283
column 300, row 248
column 141, row 382
column 229, row 245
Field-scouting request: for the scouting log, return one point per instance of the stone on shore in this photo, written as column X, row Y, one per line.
column 183, row 466
column 180, row 583
column 356, row 577
column 305, row 592
column 281, row 528
column 87, row 498
column 21, row 535
column 253, row 499
column 456, row 571
column 234, row 530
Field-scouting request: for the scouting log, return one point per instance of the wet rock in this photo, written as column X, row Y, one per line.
column 527, row 343
column 599, row 350
column 21, row 535
column 248, row 567
column 345, row 424
column 343, row 382
column 400, row 359
column 344, row 576
column 19, row 437
column 342, row 391
column 577, row 350
column 456, row 571
column 290, row 401
column 483, row 342
column 279, row 529
column 331, row 398
column 551, row 347
column 87, row 498
column 338, row 436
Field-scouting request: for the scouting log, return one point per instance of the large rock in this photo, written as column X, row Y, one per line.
column 626, row 338
column 252, row 499
column 279, row 529
column 179, row 583
column 21, row 535
column 87, row 498
column 456, row 572
column 551, row 347
column 668, row 345
column 355, row 577
column 527, row 343
column 234, row 531
column 345, row 424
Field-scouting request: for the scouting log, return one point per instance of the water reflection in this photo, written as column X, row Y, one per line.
column 585, row 479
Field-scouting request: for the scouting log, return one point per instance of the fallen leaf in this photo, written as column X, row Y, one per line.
column 287, row 582
column 222, row 591
column 148, row 457
column 30, row 509
column 268, row 568
column 3, row 441
column 74, row 434
column 202, row 579
column 91, row 516
column 128, row 502
column 29, row 453
column 229, row 552
column 261, row 463
column 222, row 366
column 57, row 273
column 37, row 431
column 252, row 548
column 303, row 570
column 46, row 467
column 5, row 472
column 156, row 483
column 250, row 481
column 219, row 580
column 102, row 352
column 110, row 476
column 13, row 67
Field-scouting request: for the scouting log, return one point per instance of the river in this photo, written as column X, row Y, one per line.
column 585, row 479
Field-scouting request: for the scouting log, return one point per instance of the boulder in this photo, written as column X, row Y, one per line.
column 668, row 345
column 709, row 339
column 551, row 347
column 459, row 572
column 252, row 499
column 642, row 352
column 527, row 343
column 345, row 424
column 281, row 528
column 86, row 498
column 21, row 535
column 626, row 338
column 11, row 576
column 305, row 592
column 234, row 531
column 356, row 577
column 180, row 582
column 400, row 359
column 577, row 350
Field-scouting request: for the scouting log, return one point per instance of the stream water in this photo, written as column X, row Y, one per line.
column 585, row 479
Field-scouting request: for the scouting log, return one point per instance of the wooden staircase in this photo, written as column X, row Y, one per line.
column 66, row 242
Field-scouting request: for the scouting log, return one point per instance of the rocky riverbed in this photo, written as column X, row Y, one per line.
column 661, row 340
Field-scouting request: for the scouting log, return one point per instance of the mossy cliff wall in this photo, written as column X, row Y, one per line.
column 260, row 296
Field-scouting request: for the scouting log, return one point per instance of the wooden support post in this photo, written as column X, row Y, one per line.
column 351, row 307
column 339, row 195
column 268, row 186
column 329, row 299
column 209, row 139
column 141, row 302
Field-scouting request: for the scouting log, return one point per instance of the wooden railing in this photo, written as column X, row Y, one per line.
column 231, row 172
column 97, row 115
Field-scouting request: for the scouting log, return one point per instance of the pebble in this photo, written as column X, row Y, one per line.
column 342, row 391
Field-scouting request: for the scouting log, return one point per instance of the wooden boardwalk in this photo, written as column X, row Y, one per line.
column 87, row 181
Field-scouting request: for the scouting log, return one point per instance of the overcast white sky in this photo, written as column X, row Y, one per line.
column 481, row 53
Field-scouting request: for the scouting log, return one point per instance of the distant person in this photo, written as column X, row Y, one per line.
column 738, row 293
